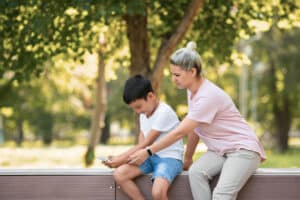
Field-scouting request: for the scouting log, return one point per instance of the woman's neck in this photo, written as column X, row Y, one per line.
column 196, row 85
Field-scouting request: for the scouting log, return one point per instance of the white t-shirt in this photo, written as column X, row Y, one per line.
column 164, row 119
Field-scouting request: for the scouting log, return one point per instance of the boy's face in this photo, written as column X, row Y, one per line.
column 143, row 106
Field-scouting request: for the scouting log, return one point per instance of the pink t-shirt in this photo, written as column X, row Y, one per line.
column 221, row 127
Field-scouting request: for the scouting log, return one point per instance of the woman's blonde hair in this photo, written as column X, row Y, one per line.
column 187, row 58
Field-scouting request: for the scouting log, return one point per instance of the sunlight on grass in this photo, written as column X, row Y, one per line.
column 68, row 154
column 121, row 141
column 289, row 159
column 295, row 141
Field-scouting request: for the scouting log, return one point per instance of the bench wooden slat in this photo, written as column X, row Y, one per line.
column 56, row 187
column 271, row 187
column 85, row 184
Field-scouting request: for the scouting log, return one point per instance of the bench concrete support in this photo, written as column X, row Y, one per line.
column 97, row 184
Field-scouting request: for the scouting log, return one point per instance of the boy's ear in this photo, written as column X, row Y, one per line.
column 150, row 95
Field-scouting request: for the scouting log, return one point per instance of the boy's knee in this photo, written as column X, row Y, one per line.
column 158, row 193
column 118, row 175
column 160, row 189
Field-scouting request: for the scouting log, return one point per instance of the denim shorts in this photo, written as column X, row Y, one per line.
column 167, row 168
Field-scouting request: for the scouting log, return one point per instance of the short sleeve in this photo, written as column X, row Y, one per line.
column 203, row 110
column 165, row 120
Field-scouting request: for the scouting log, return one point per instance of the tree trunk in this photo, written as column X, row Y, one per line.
column 99, row 108
column 281, row 112
column 20, row 136
column 168, row 45
column 139, row 51
column 105, row 130
column 283, row 124
column 138, row 44
column 1, row 130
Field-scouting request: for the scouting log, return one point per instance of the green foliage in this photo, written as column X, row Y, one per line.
column 115, row 99
column 31, row 35
column 164, row 17
column 50, row 107
column 222, row 23
column 278, row 47
column 36, row 34
column 33, row 31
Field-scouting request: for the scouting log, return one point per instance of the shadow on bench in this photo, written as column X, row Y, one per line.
column 92, row 184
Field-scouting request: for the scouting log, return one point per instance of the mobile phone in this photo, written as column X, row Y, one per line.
column 102, row 158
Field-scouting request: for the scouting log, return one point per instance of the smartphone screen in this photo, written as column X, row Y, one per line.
column 102, row 158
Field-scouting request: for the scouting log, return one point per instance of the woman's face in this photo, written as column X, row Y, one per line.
column 182, row 78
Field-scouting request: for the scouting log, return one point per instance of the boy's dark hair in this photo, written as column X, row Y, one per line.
column 136, row 87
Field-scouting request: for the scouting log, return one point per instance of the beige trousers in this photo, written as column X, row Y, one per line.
column 234, row 169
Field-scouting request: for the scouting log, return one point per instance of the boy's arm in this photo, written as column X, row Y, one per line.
column 191, row 145
column 143, row 142
column 186, row 126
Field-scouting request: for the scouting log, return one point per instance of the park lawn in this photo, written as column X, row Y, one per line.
column 289, row 159
column 69, row 155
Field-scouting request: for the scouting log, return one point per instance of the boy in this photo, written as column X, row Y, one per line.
column 156, row 119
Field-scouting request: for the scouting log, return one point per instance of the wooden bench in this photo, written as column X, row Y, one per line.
column 98, row 184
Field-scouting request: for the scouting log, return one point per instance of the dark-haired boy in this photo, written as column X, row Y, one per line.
column 156, row 119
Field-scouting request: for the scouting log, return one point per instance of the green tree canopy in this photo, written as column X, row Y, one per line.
column 35, row 30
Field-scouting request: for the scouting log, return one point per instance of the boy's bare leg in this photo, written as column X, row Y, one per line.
column 124, row 176
column 160, row 189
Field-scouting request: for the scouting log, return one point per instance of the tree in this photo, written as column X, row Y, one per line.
column 100, row 105
column 278, row 50
column 34, row 31
column 52, row 107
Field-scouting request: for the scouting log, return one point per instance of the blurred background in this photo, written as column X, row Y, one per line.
column 63, row 65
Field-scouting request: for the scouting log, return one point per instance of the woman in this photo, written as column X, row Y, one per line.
column 234, row 151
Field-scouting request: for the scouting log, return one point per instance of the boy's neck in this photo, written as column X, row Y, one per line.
column 154, row 108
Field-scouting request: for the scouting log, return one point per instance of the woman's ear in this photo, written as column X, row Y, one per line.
column 194, row 71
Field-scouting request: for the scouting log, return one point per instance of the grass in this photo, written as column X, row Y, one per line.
column 289, row 159
column 64, row 154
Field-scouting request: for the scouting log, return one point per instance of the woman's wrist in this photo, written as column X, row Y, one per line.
column 149, row 151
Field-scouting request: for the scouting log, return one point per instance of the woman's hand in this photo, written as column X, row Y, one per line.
column 187, row 163
column 138, row 157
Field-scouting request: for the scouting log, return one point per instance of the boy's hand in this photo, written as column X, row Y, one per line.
column 114, row 161
column 138, row 157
